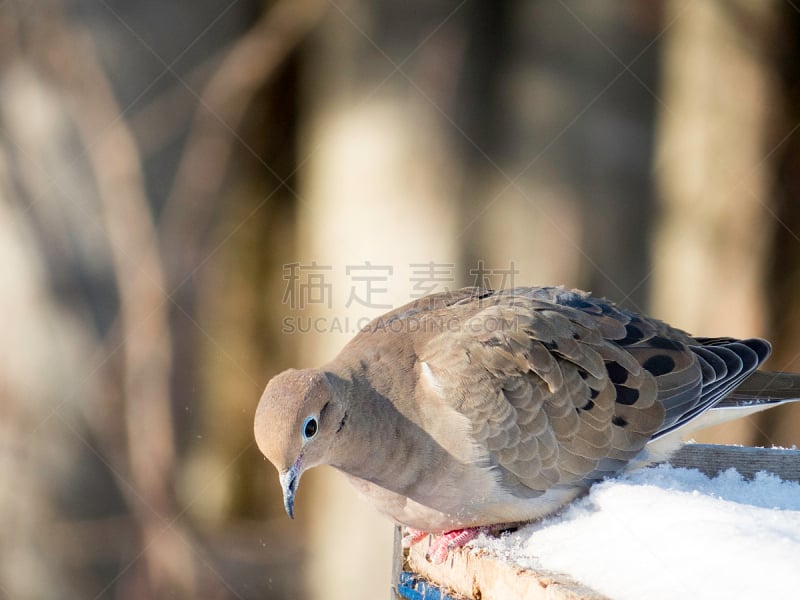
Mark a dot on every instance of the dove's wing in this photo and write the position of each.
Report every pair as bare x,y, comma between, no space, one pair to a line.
562,388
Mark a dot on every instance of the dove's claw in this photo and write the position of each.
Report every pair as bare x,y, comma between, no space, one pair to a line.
441,546
413,536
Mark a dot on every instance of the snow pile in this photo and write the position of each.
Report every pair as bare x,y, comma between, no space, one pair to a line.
671,533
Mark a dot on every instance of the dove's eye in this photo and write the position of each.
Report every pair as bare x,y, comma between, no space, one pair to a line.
310,427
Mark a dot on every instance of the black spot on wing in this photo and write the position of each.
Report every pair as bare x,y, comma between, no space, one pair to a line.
593,393
632,335
660,364
551,345
588,406
625,395
619,421
616,372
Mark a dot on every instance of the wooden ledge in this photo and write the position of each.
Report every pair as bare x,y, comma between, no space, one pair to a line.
476,574
712,459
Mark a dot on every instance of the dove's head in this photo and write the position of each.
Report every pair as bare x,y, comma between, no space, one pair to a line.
296,425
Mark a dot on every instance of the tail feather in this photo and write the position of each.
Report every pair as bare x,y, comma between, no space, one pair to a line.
760,391
725,363
732,389
764,387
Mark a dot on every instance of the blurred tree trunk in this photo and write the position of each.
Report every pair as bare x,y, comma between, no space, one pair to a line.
43,346
557,135
92,118
70,173
377,187
713,169
782,426
247,121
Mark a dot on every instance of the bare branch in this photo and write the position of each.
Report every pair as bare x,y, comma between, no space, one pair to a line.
252,60
147,349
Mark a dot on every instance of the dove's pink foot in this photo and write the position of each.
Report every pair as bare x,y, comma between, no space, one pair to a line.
441,546
413,536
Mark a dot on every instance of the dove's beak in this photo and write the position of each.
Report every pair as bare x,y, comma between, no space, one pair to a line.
289,480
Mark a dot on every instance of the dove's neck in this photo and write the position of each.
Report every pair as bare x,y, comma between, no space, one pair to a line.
378,443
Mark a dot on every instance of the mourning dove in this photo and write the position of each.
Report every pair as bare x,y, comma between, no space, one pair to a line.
474,408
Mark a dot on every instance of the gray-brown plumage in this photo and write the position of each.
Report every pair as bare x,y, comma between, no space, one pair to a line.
476,407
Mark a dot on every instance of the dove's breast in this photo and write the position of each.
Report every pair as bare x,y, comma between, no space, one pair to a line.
436,510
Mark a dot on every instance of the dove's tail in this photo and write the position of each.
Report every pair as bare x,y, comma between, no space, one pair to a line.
760,391
764,388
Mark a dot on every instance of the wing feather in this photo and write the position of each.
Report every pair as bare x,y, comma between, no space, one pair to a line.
560,387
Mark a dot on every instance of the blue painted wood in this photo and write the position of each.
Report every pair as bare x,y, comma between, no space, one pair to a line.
412,587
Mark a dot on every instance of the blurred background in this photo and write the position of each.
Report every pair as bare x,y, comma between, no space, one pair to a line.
195,195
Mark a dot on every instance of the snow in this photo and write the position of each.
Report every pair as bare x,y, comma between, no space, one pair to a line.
668,532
